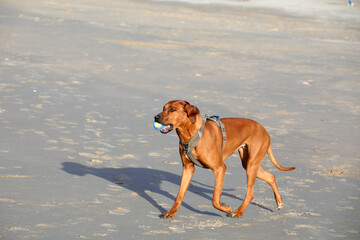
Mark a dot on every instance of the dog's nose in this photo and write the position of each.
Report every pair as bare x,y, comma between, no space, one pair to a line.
157,118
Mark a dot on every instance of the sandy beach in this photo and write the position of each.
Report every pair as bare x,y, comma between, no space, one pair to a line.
80,82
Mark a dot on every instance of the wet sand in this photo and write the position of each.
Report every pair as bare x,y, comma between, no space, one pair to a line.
81,81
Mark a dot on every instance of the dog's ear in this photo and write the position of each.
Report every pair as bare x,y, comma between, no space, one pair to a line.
191,111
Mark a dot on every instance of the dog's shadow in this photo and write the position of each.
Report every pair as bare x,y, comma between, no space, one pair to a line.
143,180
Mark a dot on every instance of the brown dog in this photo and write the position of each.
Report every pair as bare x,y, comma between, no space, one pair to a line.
245,135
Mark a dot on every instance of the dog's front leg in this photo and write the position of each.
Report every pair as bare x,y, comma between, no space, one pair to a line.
219,172
188,172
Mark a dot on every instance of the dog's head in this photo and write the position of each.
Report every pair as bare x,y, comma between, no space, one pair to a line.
176,114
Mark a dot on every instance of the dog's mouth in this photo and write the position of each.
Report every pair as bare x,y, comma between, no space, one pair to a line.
163,128
167,128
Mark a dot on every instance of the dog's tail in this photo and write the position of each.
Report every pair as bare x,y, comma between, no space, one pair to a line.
273,160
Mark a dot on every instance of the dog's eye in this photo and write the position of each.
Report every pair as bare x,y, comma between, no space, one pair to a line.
172,110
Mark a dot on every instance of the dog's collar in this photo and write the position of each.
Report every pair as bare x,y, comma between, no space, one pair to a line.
189,146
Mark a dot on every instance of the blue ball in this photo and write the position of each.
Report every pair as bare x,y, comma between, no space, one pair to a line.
158,126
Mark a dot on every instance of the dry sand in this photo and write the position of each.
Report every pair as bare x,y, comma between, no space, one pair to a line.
80,82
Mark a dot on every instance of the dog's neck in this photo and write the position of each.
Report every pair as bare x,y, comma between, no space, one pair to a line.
187,132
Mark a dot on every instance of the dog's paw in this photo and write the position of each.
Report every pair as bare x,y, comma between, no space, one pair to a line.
227,209
169,214
235,215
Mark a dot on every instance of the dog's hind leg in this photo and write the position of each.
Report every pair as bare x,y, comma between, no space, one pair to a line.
251,159
251,177
270,179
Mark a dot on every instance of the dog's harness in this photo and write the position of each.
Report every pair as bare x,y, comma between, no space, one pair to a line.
189,146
